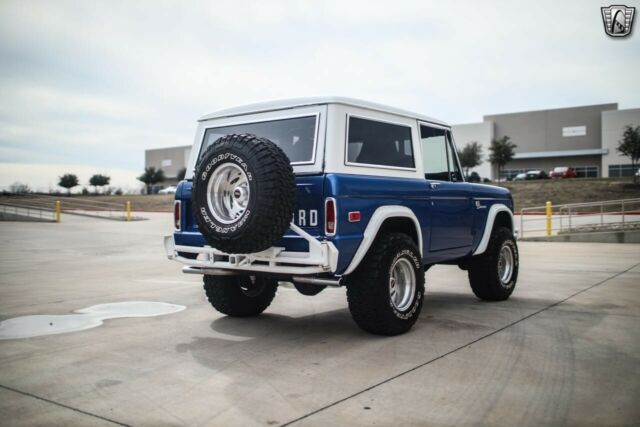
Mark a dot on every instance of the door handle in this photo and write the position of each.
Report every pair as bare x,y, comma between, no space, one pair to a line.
434,185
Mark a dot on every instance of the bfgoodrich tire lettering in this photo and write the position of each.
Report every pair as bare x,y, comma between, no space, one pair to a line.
267,194
490,278
370,289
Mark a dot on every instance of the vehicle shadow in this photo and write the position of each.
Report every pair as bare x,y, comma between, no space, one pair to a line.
304,360
278,332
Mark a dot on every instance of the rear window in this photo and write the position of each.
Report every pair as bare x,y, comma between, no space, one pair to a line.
379,144
296,136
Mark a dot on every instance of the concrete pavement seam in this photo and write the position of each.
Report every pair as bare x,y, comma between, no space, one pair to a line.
403,373
24,393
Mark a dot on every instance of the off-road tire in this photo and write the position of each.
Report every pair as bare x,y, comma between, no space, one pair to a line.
368,287
240,296
272,194
483,269
307,289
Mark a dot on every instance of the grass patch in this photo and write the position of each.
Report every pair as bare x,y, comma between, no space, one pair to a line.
578,190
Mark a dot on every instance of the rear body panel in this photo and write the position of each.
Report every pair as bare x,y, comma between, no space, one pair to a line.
451,219
308,214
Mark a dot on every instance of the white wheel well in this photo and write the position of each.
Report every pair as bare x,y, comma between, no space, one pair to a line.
496,214
380,217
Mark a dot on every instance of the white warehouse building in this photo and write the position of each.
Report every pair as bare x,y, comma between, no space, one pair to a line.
584,138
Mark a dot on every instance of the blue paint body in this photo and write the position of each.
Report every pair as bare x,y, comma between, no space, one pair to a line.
451,223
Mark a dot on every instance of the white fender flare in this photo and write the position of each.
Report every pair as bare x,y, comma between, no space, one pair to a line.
370,233
488,226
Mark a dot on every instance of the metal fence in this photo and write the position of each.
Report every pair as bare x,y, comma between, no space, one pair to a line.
580,217
71,205
11,212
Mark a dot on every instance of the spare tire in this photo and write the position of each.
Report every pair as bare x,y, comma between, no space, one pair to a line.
244,194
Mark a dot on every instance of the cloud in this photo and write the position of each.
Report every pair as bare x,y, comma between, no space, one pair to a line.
96,83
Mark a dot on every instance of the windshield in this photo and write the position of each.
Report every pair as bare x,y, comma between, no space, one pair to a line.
296,136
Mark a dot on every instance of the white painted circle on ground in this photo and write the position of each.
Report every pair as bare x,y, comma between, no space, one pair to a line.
86,318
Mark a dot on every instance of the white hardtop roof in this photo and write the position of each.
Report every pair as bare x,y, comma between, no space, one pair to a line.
283,104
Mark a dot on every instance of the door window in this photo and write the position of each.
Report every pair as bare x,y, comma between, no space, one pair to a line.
435,157
438,158
454,167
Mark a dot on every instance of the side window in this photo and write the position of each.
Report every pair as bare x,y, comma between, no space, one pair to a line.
454,167
435,156
377,143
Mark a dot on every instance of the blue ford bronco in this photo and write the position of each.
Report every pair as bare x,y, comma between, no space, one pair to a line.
324,192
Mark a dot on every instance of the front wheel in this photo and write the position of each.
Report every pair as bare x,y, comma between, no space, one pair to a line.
385,292
240,296
493,274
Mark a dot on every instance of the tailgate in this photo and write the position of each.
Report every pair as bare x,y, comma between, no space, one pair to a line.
309,212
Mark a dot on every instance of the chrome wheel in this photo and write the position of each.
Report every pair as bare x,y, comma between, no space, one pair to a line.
228,193
505,264
402,284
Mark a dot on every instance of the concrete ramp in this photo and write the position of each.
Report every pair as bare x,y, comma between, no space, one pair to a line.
26,213
19,206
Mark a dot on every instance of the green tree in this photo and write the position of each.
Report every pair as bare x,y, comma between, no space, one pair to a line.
68,181
151,176
99,180
629,146
181,173
20,188
501,152
470,156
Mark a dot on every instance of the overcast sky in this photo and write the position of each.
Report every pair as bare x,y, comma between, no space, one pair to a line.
94,84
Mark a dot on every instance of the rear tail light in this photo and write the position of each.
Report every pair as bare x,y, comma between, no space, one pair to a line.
330,216
176,214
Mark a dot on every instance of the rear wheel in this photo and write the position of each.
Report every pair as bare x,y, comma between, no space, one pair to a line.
385,292
240,296
308,289
493,275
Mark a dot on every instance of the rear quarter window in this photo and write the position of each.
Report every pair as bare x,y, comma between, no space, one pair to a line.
376,143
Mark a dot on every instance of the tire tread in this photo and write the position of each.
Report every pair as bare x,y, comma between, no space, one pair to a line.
275,195
482,269
367,290
226,296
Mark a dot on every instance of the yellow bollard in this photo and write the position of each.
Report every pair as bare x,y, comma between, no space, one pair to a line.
58,209
549,210
128,206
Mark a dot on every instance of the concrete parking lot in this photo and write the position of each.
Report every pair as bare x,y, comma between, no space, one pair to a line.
564,350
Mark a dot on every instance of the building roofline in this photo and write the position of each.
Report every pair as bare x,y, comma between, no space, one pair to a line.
621,111
284,104
168,148
561,153
472,123
609,104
